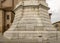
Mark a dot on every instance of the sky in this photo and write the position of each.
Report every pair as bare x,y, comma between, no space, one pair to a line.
54,9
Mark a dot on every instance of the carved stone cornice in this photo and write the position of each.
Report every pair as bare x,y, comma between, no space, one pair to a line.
2,1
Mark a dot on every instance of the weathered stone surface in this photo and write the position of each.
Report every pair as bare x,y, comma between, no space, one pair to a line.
31,18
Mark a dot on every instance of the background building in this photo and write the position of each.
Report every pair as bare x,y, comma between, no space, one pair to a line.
6,14
57,25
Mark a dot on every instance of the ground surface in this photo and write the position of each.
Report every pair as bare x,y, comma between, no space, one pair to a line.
5,40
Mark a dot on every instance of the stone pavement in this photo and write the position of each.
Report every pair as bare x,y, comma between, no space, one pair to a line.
5,40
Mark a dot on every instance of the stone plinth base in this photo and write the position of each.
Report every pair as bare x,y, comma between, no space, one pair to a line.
31,36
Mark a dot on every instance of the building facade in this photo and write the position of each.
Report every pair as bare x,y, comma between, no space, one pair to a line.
57,25
6,14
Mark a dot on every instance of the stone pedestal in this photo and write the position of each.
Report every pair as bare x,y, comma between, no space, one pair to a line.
31,23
